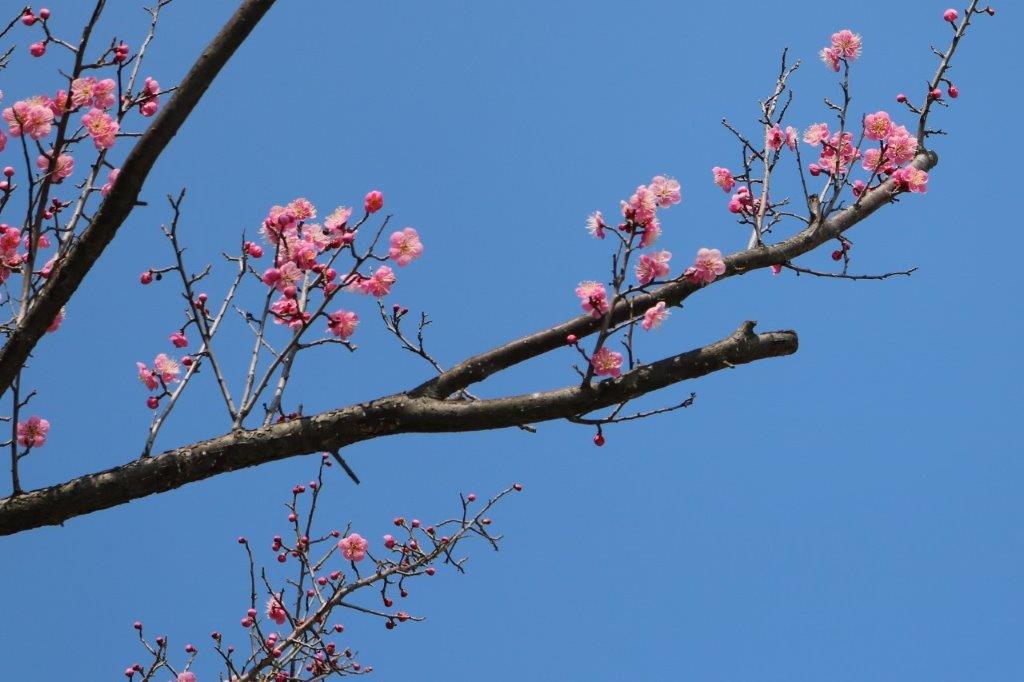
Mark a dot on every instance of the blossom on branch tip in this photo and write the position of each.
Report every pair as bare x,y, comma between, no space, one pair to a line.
774,138
654,316
186,676
373,201
147,376
166,368
178,340
847,43
89,92
596,225
878,126
378,284
606,362
353,547
666,191
911,179
405,247
816,134
32,432
32,116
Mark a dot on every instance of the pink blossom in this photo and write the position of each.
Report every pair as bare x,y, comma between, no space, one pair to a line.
287,311
276,611
901,146
373,201
337,220
111,179
178,340
166,368
774,138
147,376
186,676
707,266
342,324
723,178
92,93
378,284
32,432
101,127
301,208
652,266
606,362
875,162
288,275
641,206
830,56
593,298
149,101
791,137
847,44
65,166
596,225
651,232
405,247
877,126
911,179
654,316
32,115
353,547
816,134
666,191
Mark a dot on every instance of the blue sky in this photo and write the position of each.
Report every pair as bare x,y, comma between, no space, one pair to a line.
850,512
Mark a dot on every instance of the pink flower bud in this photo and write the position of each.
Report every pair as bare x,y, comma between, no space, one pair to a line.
271,276
44,13
37,49
152,402
471,497
901,98
950,15
28,18
953,91
599,440
374,201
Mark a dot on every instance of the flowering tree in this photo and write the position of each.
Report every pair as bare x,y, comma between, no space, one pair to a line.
312,278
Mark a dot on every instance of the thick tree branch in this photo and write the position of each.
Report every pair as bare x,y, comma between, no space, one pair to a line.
67,275
403,413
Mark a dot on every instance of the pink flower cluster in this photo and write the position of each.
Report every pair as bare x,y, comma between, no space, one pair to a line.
101,128
652,266
165,369
89,92
10,258
32,116
846,45
64,167
640,210
837,151
342,324
149,100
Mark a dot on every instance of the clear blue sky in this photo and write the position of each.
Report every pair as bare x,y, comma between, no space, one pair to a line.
852,512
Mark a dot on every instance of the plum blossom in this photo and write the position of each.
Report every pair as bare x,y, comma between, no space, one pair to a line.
641,206
149,101
275,611
147,376
337,220
652,266
178,340
32,116
302,209
830,56
596,225
373,201
166,368
707,266
101,127
791,137
816,134
89,92
901,146
186,676
32,432
774,138
847,44
606,362
723,178
353,547
287,311
58,320
342,324
64,167
593,298
405,247
877,126
378,284
111,179
654,316
665,190
911,179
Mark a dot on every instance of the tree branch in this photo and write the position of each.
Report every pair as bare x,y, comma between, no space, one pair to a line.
402,413
68,275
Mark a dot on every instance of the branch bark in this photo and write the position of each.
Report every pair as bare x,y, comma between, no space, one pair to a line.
402,413
114,210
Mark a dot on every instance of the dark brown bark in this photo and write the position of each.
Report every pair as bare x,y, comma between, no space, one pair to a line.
403,413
